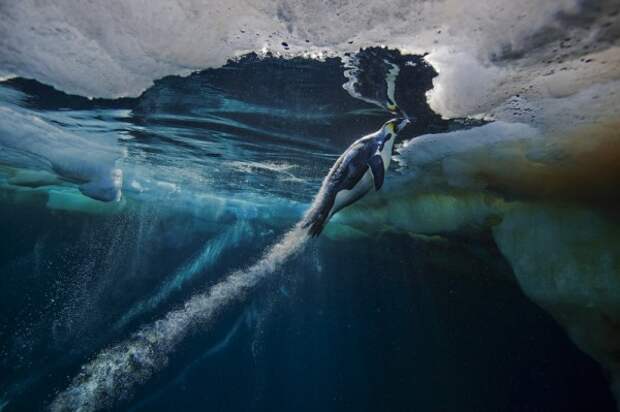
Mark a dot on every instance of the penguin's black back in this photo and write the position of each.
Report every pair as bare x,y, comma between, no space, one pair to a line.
344,175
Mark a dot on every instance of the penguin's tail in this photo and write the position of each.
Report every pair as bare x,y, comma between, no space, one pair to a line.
316,218
314,224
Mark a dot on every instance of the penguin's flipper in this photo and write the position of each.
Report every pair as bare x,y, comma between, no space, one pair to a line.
378,170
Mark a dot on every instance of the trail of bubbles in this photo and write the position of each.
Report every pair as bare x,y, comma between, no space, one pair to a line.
152,397
210,254
116,371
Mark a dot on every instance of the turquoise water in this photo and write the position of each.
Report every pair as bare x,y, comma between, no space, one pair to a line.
150,260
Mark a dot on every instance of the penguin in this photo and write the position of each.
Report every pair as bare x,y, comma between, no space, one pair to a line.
359,170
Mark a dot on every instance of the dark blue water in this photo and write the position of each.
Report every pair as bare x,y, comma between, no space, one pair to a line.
215,168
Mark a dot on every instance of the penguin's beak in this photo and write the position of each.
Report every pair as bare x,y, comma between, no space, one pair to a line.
403,123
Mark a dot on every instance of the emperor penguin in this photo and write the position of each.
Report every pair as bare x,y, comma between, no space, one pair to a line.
359,170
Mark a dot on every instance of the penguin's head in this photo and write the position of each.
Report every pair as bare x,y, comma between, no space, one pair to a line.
394,126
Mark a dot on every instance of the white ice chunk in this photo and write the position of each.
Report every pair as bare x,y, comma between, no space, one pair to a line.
29,141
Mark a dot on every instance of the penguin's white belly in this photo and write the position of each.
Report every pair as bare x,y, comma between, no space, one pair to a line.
346,197
366,184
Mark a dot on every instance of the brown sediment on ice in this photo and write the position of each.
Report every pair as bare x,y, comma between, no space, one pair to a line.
583,166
